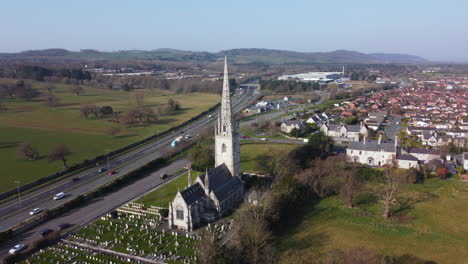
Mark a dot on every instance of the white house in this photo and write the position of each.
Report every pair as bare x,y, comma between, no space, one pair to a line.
372,153
406,161
345,132
288,125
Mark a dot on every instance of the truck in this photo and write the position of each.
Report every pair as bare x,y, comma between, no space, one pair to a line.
176,141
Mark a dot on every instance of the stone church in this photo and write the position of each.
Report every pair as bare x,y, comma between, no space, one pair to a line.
220,188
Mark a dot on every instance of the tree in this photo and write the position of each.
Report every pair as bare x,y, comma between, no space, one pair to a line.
388,190
202,154
77,90
26,151
295,132
50,87
351,120
52,100
112,131
174,105
254,237
351,185
206,248
59,152
106,110
460,169
89,109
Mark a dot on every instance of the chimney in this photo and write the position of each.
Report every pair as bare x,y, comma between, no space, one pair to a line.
364,140
380,139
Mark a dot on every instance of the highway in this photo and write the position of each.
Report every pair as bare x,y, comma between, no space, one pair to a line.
11,214
91,179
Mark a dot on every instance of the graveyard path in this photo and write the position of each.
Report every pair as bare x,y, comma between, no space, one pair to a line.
99,206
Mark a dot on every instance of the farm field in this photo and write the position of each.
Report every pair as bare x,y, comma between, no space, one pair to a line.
43,126
433,229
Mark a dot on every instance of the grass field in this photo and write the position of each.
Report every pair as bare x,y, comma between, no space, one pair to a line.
162,196
434,229
250,152
44,126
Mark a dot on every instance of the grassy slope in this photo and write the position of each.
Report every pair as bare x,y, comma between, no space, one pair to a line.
43,127
438,231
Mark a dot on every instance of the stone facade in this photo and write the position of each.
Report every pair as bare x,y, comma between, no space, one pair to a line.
345,132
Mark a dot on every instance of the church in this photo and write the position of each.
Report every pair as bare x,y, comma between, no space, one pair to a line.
220,189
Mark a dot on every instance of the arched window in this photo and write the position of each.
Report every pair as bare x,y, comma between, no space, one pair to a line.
224,127
223,148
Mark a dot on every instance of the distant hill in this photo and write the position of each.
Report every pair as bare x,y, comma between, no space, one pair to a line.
394,57
239,56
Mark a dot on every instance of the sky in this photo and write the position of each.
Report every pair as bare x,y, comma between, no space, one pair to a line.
433,29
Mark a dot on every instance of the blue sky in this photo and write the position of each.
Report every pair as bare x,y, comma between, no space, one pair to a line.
436,30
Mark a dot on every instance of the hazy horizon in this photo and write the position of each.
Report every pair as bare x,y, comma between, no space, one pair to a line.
429,29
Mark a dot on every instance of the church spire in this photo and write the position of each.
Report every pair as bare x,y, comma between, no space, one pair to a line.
226,106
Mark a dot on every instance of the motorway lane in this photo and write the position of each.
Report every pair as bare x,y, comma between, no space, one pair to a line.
11,213
99,206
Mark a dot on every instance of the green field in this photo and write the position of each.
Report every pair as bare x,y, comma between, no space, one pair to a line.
164,195
434,229
250,152
44,126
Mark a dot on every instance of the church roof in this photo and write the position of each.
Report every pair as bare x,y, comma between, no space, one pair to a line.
217,176
193,193
225,190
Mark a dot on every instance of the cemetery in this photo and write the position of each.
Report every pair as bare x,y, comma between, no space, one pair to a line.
132,234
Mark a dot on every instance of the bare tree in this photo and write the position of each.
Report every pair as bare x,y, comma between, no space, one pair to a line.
77,89
59,152
207,248
254,236
89,109
26,151
52,100
112,131
388,191
350,186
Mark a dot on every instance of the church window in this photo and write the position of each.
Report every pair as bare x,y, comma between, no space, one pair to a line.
223,148
224,127
179,214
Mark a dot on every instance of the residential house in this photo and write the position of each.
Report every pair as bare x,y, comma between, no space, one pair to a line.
288,125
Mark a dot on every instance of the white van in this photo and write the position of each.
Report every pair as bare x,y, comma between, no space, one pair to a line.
59,196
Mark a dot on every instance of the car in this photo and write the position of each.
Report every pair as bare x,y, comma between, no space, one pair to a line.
112,172
164,175
63,226
245,137
102,170
59,196
182,131
263,139
17,248
210,116
188,136
74,179
45,232
36,211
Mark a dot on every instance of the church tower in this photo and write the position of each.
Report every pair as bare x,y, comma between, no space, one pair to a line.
227,148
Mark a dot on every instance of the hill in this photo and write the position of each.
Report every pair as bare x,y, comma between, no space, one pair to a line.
238,56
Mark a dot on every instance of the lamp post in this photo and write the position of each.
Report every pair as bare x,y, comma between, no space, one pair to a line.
107,155
19,194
